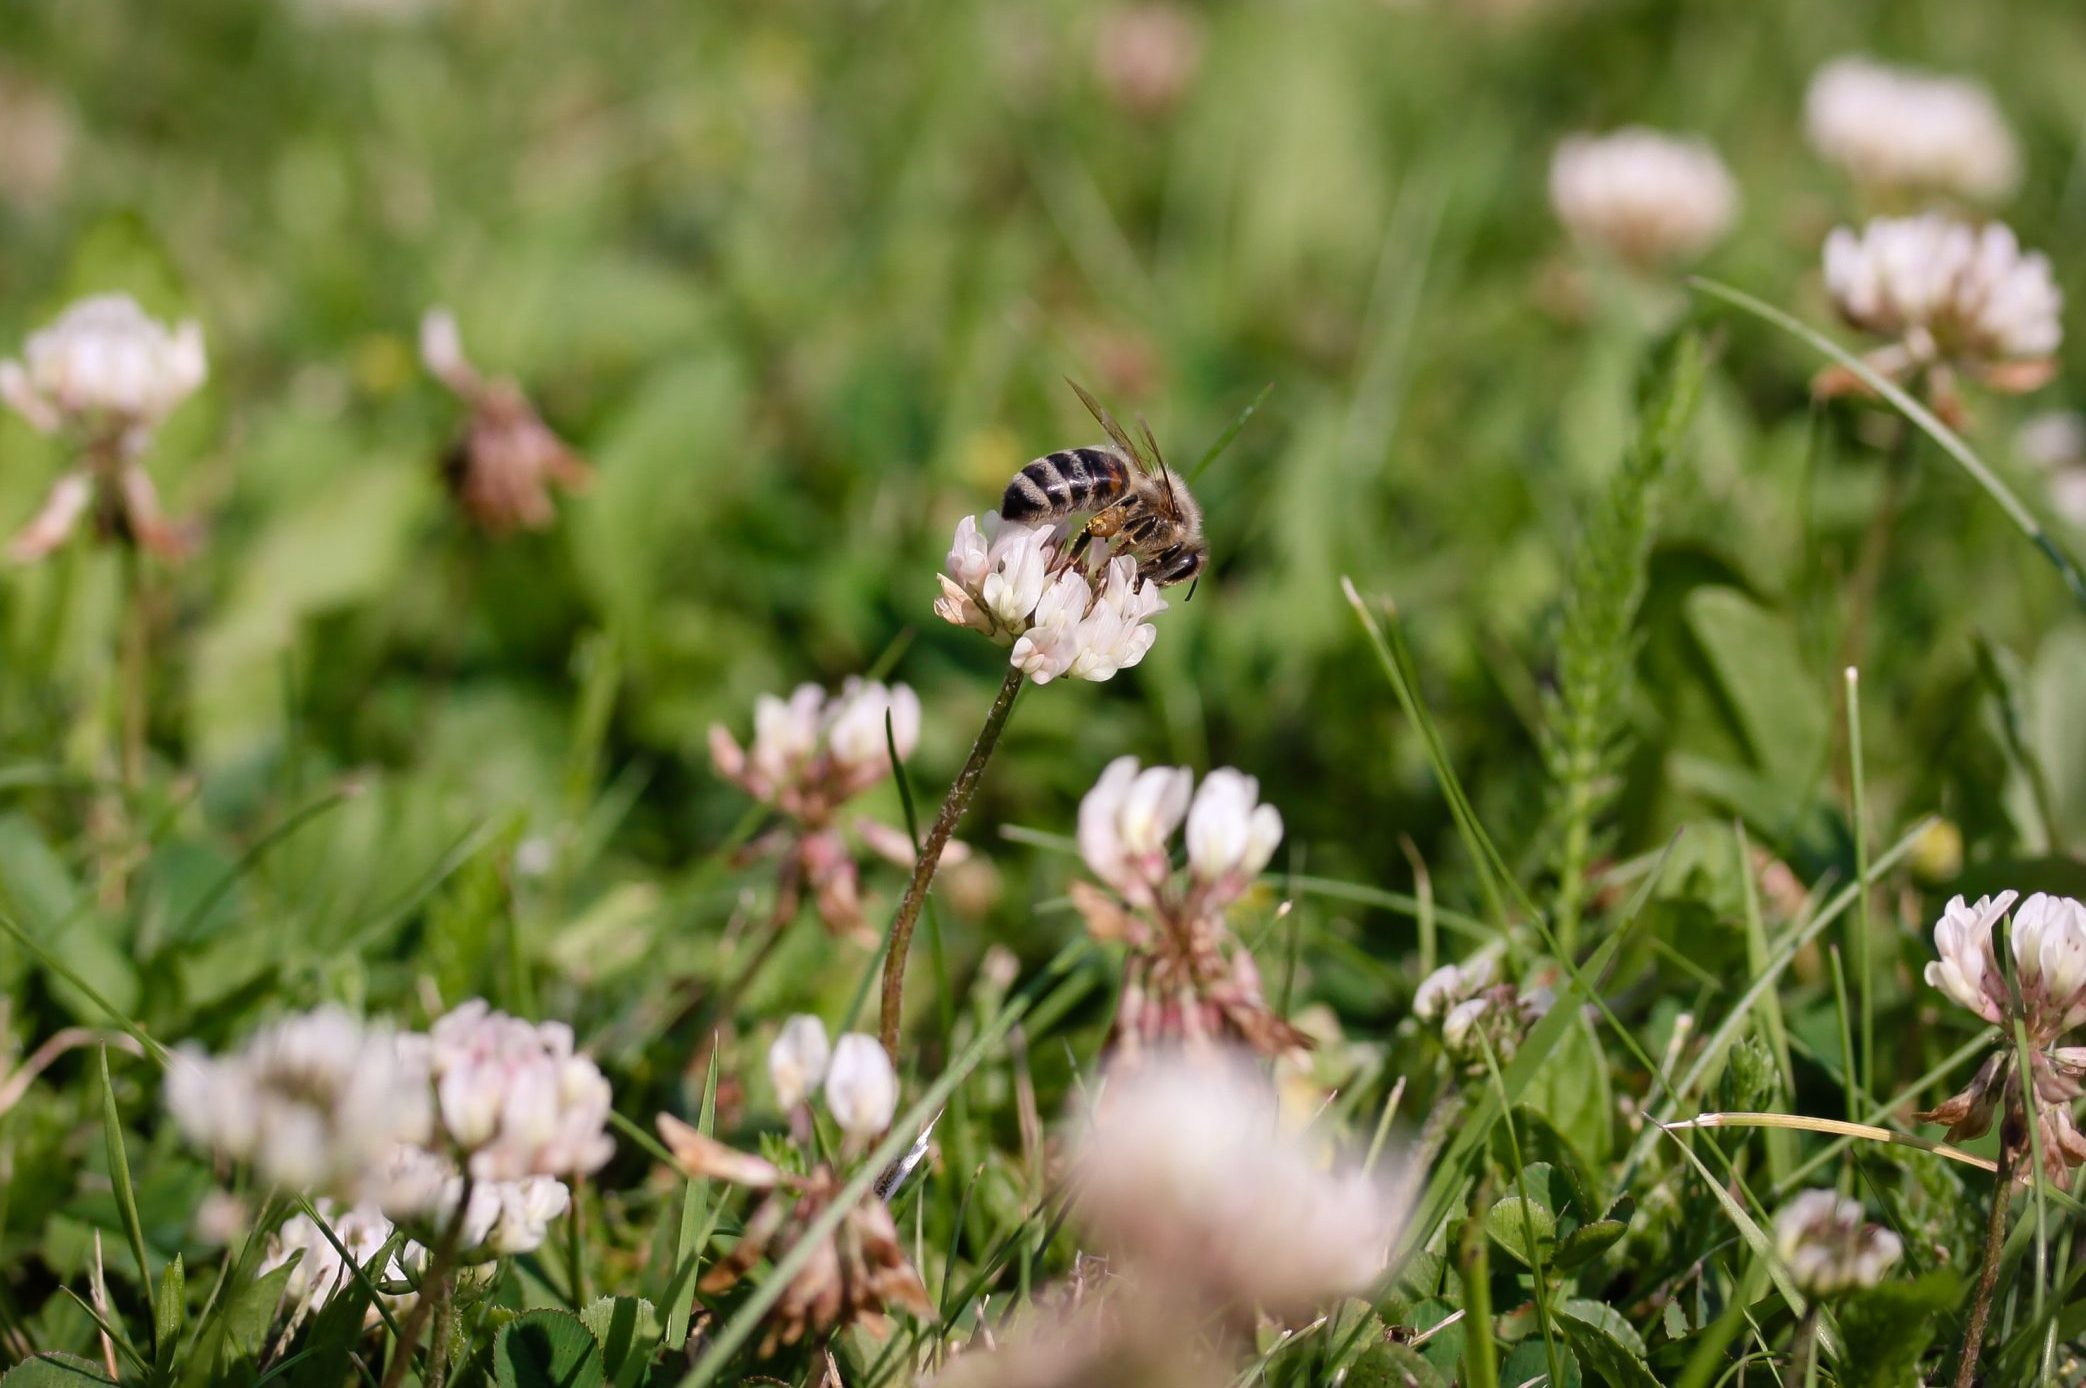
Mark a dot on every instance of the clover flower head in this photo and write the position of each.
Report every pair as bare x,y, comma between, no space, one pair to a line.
861,1088
1063,616
320,1271
1829,1246
105,365
797,1059
504,469
1967,971
515,1098
1903,132
1647,198
1184,1171
315,1102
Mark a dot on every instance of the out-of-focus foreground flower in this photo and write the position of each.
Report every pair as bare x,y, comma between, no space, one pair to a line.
1080,615
503,469
812,753
1186,980
1952,299
1901,133
315,1102
1829,1245
1647,198
2048,939
102,377
1185,1173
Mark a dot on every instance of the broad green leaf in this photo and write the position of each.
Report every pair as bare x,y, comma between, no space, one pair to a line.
1530,1363
1513,1222
1572,1092
168,1313
54,1371
1587,1243
627,1328
1888,1328
548,1349
1777,705
1388,1365
1601,1337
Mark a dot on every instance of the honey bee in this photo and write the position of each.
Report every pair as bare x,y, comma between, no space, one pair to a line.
1131,493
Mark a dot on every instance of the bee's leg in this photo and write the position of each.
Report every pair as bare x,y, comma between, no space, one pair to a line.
1106,523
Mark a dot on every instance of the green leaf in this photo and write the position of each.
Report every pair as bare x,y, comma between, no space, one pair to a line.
627,1328
167,1313
1600,1336
239,1332
1587,1242
54,1371
1513,1221
1388,1365
548,1349
1571,1091
1530,1363
1776,703
119,1177
1888,1328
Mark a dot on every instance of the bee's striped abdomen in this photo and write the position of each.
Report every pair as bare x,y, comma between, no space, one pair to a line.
1076,479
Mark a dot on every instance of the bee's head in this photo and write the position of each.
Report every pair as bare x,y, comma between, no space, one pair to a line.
1178,564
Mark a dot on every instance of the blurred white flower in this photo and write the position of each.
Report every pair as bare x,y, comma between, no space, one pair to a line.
315,1102
1903,132
37,136
503,470
1968,970
861,1087
1185,1172
811,754
1647,198
2052,440
503,1218
1126,825
1950,297
1829,1246
320,1271
1451,984
1025,586
797,1059
1146,56
515,1098
221,1219
104,365
1231,835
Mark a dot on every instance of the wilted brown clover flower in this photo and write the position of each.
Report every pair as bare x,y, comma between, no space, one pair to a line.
2048,938
810,755
1187,980
860,1273
502,470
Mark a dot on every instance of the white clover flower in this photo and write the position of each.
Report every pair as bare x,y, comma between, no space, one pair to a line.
797,1059
315,1102
1901,131
854,726
1126,824
2052,440
1828,1245
320,1271
1454,983
1968,970
1970,291
105,364
996,574
1231,835
515,1098
503,1218
2049,944
1456,1026
1025,587
861,1087
1648,198
1186,1173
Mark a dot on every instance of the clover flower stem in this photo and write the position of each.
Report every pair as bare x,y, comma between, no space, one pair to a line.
441,1271
1988,1274
930,857
135,668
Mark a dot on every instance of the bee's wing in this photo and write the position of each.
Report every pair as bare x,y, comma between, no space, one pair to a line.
1115,431
1158,462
